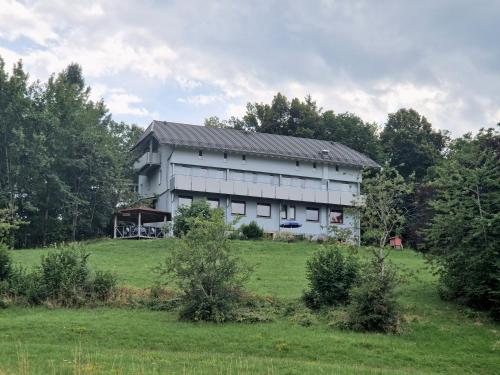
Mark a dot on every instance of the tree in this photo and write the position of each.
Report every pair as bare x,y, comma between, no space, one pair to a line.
206,270
464,232
410,143
199,209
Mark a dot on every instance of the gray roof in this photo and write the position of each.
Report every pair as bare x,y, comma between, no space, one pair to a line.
263,144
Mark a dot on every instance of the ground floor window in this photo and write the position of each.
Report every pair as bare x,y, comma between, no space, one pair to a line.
312,214
213,202
185,201
263,210
238,208
336,215
287,212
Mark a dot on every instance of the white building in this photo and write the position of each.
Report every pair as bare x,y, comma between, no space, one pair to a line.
263,177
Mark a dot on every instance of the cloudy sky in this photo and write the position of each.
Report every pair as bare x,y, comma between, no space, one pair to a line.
186,60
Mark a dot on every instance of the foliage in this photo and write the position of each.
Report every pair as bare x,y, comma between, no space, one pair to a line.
252,231
186,213
62,278
341,234
384,212
65,164
9,223
284,236
5,263
373,304
303,118
331,276
410,143
463,234
206,270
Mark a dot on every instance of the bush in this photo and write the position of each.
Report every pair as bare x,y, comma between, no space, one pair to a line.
185,215
252,231
373,304
205,269
331,276
63,278
5,263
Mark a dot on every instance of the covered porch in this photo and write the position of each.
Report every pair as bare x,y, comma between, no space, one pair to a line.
135,223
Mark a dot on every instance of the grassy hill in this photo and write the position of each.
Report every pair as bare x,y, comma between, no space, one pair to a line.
438,339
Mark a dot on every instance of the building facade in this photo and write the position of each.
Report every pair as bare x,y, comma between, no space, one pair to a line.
254,176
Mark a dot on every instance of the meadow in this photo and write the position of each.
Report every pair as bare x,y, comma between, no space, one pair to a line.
438,337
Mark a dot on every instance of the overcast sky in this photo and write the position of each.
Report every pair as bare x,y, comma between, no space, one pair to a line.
186,60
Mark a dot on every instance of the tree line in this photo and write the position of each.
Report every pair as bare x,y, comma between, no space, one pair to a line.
64,162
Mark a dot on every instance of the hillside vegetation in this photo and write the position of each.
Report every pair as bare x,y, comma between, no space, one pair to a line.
438,337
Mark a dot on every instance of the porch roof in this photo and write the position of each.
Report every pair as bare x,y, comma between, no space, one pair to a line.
148,215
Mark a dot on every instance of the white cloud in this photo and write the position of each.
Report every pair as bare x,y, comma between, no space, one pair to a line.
19,20
123,103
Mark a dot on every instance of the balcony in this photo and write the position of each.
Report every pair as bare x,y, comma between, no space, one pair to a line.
147,162
262,190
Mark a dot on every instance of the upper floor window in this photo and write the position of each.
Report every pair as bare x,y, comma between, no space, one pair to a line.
243,157
312,214
314,165
238,208
263,210
297,164
336,168
225,155
336,215
200,153
185,201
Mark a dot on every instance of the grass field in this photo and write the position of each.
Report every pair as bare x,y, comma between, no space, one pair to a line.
438,339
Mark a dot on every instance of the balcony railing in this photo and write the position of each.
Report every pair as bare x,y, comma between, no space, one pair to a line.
147,162
263,190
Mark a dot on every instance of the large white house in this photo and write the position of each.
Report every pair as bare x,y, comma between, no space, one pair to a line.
256,176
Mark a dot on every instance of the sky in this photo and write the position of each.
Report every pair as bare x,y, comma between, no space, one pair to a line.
183,61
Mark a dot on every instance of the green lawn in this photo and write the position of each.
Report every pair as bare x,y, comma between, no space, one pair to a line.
438,338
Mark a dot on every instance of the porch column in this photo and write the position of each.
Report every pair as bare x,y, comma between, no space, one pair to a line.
115,225
165,227
139,225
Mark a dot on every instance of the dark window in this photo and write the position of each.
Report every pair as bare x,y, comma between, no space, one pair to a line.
337,168
297,163
336,215
243,157
263,210
213,202
314,165
238,208
200,153
312,214
225,155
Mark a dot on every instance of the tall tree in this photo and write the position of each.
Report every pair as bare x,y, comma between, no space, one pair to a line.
410,143
464,234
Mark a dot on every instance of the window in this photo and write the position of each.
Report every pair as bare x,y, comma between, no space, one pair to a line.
314,165
200,153
185,201
312,214
243,157
336,215
225,155
297,164
213,202
336,168
287,212
263,210
238,208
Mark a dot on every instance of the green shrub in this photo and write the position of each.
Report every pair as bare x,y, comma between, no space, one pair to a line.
331,276
5,263
185,215
206,271
102,286
252,231
373,303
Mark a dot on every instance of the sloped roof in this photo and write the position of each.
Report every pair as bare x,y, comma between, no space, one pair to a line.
263,144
